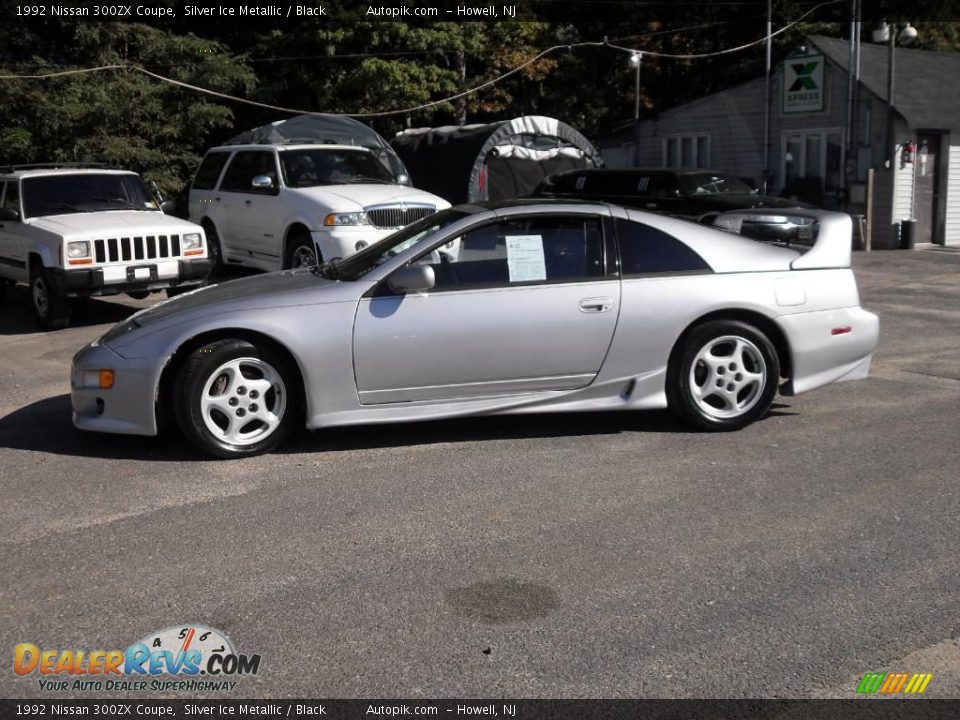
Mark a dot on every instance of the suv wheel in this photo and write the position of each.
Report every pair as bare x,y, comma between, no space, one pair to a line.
301,251
51,309
213,246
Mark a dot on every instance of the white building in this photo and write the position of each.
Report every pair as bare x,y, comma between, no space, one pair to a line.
812,152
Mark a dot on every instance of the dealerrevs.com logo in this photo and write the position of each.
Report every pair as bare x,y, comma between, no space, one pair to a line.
182,657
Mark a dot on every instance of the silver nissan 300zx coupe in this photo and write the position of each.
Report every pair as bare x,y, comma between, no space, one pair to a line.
519,307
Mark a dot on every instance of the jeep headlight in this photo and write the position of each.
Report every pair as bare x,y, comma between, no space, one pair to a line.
191,241
350,218
78,249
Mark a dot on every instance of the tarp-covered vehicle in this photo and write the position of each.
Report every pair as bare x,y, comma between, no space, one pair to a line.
497,161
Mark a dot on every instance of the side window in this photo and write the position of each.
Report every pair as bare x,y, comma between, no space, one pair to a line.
11,198
664,186
519,252
644,249
209,171
245,166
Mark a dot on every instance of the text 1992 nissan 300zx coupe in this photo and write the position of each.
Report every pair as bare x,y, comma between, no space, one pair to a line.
520,307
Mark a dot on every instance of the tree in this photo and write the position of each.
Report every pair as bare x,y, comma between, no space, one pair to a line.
120,117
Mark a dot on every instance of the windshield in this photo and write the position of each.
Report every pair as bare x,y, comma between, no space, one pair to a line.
713,184
326,166
362,262
87,192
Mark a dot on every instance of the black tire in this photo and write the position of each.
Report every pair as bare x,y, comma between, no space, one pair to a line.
138,294
723,375
220,373
4,289
300,246
51,310
214,249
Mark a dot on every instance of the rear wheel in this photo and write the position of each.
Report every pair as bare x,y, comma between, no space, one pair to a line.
301,251
51,310
235,399
724,376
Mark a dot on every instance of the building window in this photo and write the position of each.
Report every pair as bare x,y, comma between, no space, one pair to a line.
690,151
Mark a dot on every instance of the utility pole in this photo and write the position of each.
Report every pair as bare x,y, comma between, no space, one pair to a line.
767,102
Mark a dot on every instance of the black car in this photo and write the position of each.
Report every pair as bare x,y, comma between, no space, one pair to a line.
699,195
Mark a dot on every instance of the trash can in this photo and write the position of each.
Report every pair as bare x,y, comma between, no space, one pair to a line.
908,235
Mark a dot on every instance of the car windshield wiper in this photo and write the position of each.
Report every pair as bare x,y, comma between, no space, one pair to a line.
329,270
65,206
117,200
358,179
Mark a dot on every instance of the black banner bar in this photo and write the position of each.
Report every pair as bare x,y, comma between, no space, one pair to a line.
872,709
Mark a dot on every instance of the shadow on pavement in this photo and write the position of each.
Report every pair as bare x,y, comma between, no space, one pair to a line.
46,426
17,318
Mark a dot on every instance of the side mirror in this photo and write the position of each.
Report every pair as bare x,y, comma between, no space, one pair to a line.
412,278
262,182
9,214
168,206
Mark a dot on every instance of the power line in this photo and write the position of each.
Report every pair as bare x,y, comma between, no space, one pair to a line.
433,103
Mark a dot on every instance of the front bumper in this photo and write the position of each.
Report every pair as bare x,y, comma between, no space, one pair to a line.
340,242
129,407
104,281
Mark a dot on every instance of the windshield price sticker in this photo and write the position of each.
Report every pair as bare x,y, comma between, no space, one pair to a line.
525,260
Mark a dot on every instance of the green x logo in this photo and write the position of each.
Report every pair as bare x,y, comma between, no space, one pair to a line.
804,81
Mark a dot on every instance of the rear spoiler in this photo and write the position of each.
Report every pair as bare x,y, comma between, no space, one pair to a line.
831,232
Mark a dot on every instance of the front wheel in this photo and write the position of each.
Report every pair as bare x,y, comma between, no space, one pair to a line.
236,399
301,252
51,310
724,376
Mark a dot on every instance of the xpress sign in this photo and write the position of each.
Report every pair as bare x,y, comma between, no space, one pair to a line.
803,84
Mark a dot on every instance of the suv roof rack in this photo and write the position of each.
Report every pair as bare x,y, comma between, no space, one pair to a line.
54,166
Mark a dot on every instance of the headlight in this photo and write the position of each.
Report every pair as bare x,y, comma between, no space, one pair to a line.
191,241
351,218
78,249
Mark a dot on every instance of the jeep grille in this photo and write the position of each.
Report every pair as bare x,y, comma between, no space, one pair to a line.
140,247
396,216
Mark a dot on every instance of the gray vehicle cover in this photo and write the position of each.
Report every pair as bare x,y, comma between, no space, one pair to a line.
497,161
323,129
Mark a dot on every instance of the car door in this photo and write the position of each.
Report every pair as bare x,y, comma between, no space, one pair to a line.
525,304
251,218
13,246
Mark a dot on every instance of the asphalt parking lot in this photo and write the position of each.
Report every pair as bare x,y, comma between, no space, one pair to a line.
612,555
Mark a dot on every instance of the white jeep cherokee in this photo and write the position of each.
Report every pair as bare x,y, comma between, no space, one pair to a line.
273,206
72,232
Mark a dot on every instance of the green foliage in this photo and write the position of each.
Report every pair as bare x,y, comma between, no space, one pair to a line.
120,117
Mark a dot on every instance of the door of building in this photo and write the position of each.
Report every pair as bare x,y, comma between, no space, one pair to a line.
926,193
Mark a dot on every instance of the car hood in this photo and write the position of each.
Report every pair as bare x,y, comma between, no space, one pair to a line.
278,289
736,201
113,222
360,196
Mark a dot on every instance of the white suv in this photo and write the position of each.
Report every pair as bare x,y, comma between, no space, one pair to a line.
73,232
273,207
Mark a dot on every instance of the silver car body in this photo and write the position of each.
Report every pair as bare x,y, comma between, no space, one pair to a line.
602,344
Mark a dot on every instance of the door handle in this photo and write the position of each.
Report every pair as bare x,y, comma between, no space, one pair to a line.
217,199
247,202
596,305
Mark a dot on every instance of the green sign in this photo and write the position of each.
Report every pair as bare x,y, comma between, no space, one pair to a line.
803,87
